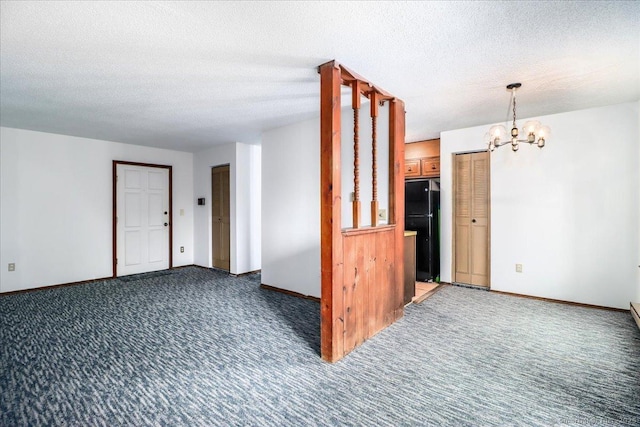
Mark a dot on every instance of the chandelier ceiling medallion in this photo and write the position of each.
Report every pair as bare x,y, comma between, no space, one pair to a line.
533,130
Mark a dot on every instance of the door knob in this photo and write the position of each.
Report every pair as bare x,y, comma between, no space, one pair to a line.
473,220
166,223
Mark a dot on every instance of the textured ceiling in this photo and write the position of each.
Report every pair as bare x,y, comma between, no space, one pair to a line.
187,75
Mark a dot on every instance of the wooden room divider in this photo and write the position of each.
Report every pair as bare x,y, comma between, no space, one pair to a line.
362,267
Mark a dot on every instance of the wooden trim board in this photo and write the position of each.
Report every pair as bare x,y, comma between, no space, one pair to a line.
60,285
635,312
290,293
83,282
419,299
578,304
246,274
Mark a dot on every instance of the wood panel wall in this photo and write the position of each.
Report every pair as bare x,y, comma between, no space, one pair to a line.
362,268
369,277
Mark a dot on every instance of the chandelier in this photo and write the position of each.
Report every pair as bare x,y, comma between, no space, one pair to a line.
533,130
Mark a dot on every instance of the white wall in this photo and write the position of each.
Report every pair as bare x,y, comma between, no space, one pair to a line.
255,208
291,207
248,208
56,206
291,195
570,213
244,173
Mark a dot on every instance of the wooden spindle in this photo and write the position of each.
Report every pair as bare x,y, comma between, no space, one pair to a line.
374,161
355,103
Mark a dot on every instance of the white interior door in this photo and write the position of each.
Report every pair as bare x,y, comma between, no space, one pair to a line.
142,219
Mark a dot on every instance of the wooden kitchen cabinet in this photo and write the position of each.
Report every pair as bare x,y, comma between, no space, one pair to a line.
422,159
430,167
412,168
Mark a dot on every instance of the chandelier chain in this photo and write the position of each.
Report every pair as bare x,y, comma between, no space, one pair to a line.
514,107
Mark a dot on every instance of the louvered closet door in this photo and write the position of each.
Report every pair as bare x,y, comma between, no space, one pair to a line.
472,219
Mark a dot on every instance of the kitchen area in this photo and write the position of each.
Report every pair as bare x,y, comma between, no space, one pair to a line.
422,219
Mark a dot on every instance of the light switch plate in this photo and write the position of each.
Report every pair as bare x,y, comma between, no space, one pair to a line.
12,266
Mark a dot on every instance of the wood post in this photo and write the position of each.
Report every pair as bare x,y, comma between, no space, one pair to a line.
396,194
331,250
355,103
374,160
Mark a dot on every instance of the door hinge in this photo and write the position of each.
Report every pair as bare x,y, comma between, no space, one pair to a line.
116,261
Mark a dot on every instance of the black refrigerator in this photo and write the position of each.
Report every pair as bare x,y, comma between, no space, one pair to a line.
422,214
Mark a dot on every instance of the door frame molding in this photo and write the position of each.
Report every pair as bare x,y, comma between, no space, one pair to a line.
114,224
453,215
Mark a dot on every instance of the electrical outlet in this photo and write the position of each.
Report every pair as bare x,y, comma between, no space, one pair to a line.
181,249
518,268
12,266
382,214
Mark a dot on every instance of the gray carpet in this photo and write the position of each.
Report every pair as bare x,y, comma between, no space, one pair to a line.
200,348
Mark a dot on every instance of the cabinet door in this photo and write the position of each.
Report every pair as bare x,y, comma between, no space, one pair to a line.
412,167
430,166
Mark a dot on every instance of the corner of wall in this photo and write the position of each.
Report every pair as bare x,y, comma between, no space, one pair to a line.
638,218
291,207
244,233
248,233
203,162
